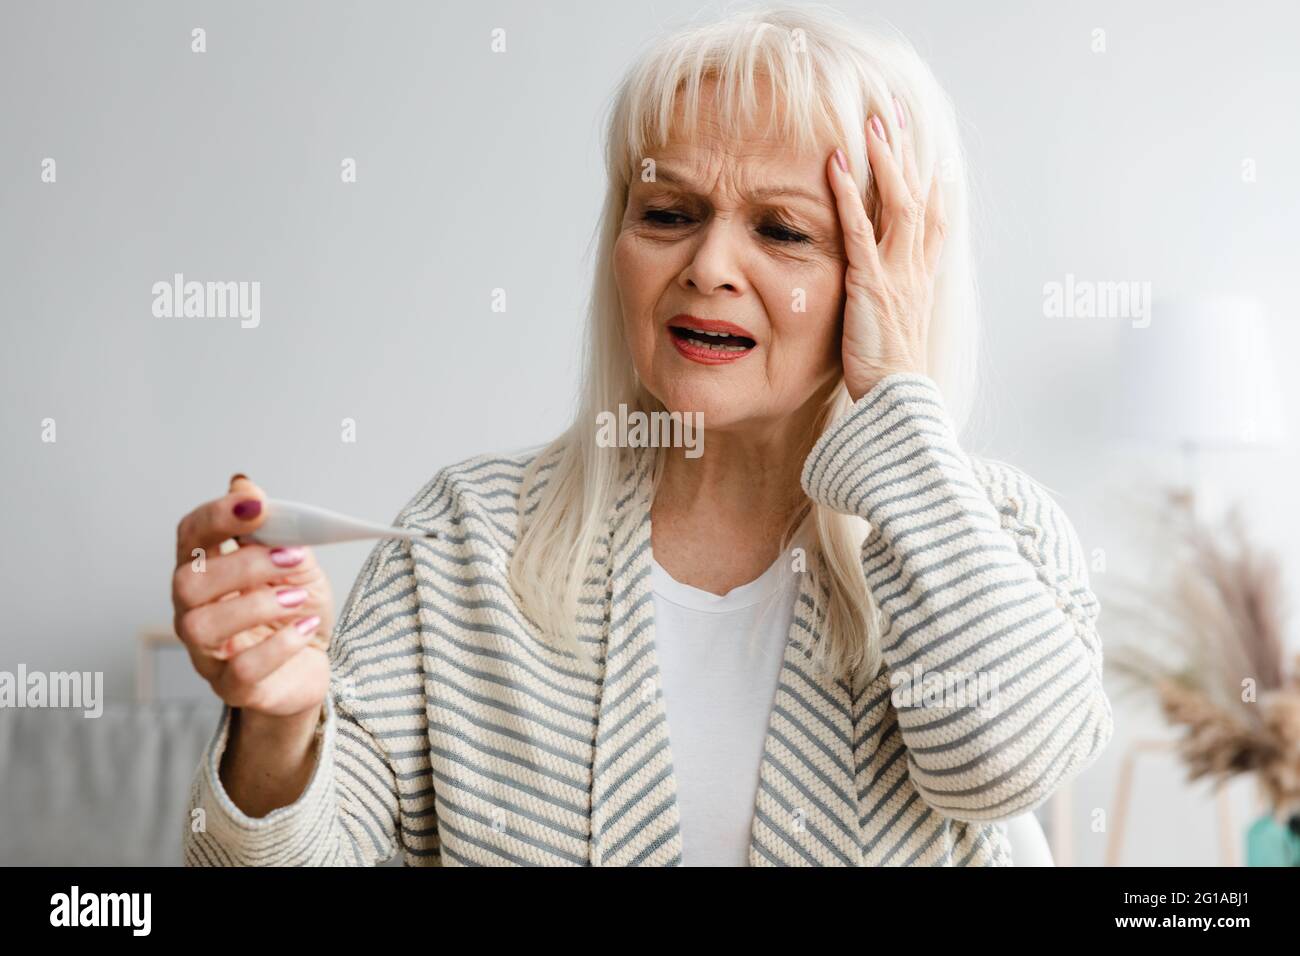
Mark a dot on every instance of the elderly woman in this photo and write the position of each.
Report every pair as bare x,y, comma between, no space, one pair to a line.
833,637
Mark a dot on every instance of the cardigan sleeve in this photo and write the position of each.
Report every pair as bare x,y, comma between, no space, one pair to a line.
990,624
352,812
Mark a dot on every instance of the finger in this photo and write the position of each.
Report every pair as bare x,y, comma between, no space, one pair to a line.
910,174
859,237
208,626
918,240
242,641
912,177
936,225
251,666
898,210
242,485
252,565
209,667
240,511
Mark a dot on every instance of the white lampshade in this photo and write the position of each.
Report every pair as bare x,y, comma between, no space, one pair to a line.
1202,375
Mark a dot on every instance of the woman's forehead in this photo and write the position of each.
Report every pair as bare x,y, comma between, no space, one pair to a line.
738,132
720,146
716,125
743,166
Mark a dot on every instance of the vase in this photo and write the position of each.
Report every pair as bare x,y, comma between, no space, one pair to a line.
1270,843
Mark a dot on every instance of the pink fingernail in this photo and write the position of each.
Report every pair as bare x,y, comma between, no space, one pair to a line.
291,597
308,624
287,557
248,509
877,126
902,119
840,161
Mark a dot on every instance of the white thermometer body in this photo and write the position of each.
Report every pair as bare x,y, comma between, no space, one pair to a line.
290,523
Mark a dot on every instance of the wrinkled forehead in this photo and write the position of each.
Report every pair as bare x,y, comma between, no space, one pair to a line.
728,168
717,143
756,114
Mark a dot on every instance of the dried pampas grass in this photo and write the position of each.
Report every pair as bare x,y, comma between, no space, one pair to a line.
1209,644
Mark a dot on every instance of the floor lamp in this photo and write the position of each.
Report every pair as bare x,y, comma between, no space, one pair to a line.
1201,378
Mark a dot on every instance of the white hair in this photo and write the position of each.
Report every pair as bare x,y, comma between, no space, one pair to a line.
827,73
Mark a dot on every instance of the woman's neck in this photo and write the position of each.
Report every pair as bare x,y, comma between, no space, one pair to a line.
717,520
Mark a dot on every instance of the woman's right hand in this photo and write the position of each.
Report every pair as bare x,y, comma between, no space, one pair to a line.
256,621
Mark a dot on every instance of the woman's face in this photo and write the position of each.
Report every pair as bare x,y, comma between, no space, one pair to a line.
738,233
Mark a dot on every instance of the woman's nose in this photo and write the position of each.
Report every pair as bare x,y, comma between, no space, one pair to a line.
715,263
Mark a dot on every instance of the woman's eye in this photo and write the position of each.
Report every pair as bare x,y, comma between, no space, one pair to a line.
663,217
783,234
774,231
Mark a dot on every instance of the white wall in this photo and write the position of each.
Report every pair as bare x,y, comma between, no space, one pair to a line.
478,171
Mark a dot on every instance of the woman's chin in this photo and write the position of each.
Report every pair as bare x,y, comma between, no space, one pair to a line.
713,411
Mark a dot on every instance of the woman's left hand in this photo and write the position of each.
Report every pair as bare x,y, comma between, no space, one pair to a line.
889,285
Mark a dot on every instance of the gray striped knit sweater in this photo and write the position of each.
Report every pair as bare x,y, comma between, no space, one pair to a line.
453,735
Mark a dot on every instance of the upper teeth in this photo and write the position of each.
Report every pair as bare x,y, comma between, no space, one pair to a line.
702,332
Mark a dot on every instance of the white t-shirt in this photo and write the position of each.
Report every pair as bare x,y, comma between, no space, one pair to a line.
719,659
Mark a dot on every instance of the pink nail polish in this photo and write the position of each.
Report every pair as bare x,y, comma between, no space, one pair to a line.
878,126
308,624
287,557
902,118
840,161
291,597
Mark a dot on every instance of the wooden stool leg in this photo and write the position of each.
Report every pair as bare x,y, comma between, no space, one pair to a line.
1229,851
1123,794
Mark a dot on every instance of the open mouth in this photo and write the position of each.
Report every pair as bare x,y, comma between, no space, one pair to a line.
722,343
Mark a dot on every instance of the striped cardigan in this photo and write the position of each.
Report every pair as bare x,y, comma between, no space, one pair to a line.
452,734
